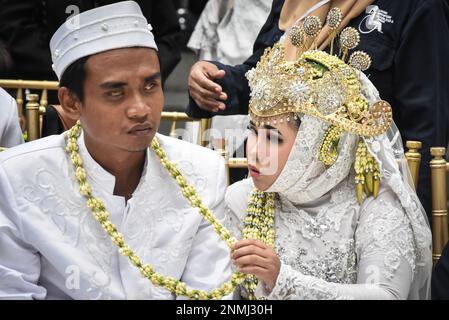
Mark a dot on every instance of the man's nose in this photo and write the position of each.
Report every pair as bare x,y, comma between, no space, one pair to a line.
138,107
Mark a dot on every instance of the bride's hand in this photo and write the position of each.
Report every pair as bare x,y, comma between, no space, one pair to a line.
254,257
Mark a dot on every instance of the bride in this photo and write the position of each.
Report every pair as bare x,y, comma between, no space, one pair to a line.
329,211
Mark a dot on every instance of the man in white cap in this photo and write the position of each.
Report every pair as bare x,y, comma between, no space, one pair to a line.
10,132
94,213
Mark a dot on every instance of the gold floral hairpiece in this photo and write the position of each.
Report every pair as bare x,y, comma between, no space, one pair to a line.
325,86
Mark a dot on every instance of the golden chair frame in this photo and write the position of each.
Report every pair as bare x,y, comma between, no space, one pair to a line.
440,230
34,108
413,160
231,163
175,117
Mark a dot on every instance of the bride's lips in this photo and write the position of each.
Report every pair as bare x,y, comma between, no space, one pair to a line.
254,172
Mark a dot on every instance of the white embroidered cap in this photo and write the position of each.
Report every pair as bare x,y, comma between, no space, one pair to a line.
114,26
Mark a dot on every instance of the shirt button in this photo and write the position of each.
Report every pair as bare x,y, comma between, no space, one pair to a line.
276,38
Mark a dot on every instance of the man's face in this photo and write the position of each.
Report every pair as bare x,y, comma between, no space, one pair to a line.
123,99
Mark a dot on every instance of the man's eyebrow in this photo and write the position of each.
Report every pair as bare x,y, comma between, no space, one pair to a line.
112,85
155,76
118,84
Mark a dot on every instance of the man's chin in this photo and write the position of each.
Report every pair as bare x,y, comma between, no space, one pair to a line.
137,149
139,146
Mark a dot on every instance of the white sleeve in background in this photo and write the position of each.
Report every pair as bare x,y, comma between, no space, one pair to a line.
10,132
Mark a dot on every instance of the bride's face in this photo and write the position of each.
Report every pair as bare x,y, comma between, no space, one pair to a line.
267,149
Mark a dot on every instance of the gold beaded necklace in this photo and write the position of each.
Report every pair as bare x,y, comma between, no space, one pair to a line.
259,225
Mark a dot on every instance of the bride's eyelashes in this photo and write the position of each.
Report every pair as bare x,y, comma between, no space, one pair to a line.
272,135
251,129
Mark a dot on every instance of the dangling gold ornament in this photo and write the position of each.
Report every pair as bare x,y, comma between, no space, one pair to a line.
328,153
298,39
333,20
312,27
360,60
367,173
349,39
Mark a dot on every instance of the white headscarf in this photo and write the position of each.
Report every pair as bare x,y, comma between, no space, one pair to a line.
305,179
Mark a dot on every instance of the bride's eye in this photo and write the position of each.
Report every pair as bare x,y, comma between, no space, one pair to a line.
274,137
251,129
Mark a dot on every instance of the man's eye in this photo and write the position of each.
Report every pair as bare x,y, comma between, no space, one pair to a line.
149,86
115,93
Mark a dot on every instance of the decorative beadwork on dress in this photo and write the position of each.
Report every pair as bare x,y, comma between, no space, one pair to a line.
337,265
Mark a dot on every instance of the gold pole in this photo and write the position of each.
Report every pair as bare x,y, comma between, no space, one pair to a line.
29,84
414,159
220,147
44,100
181,116
173,129
32,113
19,100
439,202
204,134
42,108
238,163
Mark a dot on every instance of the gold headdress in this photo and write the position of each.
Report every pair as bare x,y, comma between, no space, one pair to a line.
324,86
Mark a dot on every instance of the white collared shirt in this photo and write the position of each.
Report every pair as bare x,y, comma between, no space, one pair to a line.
51,247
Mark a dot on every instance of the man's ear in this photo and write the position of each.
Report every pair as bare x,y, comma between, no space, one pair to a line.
70,103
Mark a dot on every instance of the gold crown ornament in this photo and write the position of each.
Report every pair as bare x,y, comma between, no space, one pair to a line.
324,86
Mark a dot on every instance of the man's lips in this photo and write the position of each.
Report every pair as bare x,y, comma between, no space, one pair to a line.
140,130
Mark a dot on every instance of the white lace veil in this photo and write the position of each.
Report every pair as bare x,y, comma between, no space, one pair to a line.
305,179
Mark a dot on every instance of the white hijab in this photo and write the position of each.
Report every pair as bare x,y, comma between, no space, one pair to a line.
305,179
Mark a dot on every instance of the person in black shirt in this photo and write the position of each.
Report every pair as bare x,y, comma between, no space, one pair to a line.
408,42
440,277
26,28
